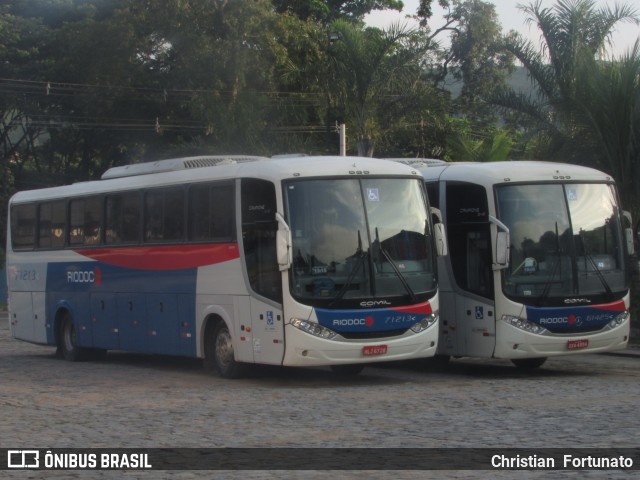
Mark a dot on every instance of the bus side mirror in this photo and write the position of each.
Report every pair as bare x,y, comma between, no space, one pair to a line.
284,250
502,251
441,239
503,242
628,232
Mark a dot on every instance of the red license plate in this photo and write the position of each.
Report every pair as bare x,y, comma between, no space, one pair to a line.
577,344
374,350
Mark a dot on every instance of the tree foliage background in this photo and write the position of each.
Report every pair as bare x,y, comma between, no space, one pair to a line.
89,84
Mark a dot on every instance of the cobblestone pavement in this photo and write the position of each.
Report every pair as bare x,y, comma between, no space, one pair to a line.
140,401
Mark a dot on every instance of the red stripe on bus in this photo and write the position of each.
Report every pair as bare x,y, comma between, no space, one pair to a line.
164,257
419,309
617,306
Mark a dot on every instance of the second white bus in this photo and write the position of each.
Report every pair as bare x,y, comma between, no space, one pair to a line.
537,260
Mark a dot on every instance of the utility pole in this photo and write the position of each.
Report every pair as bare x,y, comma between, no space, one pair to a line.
343,140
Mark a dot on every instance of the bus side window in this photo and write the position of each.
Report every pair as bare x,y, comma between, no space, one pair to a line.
93,221
85,221
44,225
52,224
210,212
433,193
123,218
164,215
222,215
23,226
76,222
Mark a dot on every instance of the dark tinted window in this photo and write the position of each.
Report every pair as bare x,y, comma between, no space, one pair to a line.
469,237
211,212
23,226
433,192
123,218
85,221
52,225
259,228
164,215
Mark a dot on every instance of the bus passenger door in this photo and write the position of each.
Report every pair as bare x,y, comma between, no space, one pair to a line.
259,228
470,255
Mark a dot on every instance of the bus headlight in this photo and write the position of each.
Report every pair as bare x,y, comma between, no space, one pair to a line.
425,323
618,320
313,328
524,324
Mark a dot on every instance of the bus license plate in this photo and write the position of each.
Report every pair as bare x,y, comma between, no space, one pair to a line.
577,344
374,350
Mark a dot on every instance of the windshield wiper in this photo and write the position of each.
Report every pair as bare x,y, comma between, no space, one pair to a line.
359,256
592,262
401,277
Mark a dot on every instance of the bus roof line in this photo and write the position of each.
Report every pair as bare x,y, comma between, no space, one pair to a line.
174,164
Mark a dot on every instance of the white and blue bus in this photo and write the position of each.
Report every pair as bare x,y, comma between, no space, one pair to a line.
237,260
537,260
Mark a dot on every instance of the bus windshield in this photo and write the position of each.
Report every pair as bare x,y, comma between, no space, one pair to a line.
359,239
565,242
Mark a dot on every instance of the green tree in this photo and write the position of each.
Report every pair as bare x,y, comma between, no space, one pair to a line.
327,11
464,146
574,33
477,57
369,66
473,62
608,107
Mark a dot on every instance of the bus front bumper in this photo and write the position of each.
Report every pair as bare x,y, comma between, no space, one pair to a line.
520,344
305,350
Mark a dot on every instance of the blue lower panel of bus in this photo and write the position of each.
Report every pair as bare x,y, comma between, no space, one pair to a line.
373,319
575,318
124,309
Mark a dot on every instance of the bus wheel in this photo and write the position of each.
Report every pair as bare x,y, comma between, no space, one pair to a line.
347,370
219,353
528,363
68,340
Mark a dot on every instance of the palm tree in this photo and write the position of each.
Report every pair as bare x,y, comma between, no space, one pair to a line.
574,34
367,65
608,106
466,147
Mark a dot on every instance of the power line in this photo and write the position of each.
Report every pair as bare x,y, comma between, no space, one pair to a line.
64,88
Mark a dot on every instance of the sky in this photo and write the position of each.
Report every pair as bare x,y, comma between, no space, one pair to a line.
511,18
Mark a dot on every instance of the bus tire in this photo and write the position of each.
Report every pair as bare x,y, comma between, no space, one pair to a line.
219,353
68,340
528,363
347,370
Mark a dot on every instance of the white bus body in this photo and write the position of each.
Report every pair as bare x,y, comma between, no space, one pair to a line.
537,260
237,260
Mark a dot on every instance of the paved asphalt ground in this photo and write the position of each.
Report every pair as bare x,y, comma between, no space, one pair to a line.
142,401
